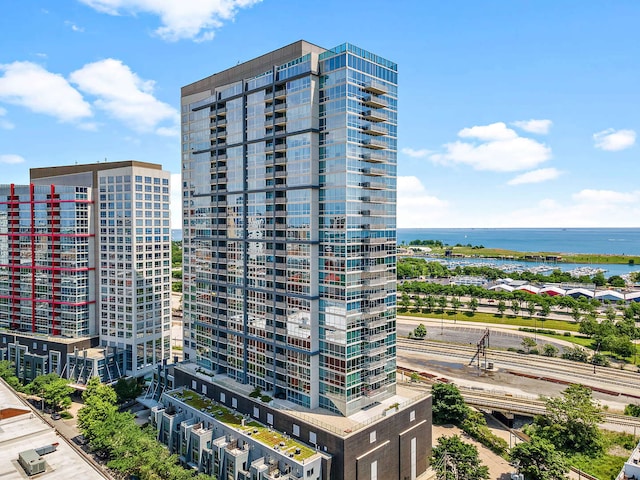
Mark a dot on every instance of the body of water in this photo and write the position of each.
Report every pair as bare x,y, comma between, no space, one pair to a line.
620,241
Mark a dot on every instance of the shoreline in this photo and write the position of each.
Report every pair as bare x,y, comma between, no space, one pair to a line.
514,255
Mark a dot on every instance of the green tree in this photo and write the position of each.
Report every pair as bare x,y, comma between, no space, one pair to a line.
55,391
571,421
633,410
577,354
418,303
405,301
549,350
448,404
610,313
127,389
617,281
515,306
531,308
545,310
442,303
430,303
473,305
502,307
455,305
8,374
451,454
420,331
538,459
589,326
57,394
528,343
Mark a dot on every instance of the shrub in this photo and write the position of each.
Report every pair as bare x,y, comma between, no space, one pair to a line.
265,398
534,351
256,393
567,334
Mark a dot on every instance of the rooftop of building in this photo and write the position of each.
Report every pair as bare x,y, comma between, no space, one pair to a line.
27,431
251,67
45,172
257,431
43,337
320,417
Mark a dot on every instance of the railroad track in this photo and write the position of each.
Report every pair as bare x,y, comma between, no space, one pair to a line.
618,382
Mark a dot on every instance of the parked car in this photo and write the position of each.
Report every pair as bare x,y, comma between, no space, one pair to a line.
56,416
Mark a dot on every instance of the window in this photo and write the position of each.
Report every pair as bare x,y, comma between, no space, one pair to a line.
223,397
372,437
312,438
194,385
204,389
374,470
412,415
270,418
234,402
296,430
256,412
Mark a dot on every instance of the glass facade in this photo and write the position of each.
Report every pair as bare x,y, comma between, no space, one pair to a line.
45,267
289,193
135,264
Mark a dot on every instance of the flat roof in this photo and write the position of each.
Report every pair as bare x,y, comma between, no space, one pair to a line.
46,172
322,418
28,431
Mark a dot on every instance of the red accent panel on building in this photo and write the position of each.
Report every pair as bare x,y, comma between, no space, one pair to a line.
33,260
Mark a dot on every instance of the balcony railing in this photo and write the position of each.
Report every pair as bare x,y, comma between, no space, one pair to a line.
373,129
375,115
376,102
374,143
374,172
373,157
375,87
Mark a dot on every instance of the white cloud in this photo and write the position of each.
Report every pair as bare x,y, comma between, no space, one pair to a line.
176,200
540,127
88,126
584,209
416,153
494,131
497,148
614,140
607,196
73,26
194,19
29,85
5,124
536,176
124,95
11,159
416,207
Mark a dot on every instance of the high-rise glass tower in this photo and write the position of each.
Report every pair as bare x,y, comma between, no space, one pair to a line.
289,195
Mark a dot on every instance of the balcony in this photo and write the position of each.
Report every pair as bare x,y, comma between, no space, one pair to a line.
373,226
375,87
281,120
372,352
373,157
375,254
373,129
223,111
376,323
280,93
374,186
376,310
375,281
375,365
376,337
375,115
375,268
280,107
375,102
374,144
375,296
374,172
281,147
381,377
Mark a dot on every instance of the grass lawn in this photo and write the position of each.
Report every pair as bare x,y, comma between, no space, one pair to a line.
617,448
575,258
497,319
265,435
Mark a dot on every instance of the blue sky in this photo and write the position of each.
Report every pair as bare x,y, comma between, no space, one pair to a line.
511,114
